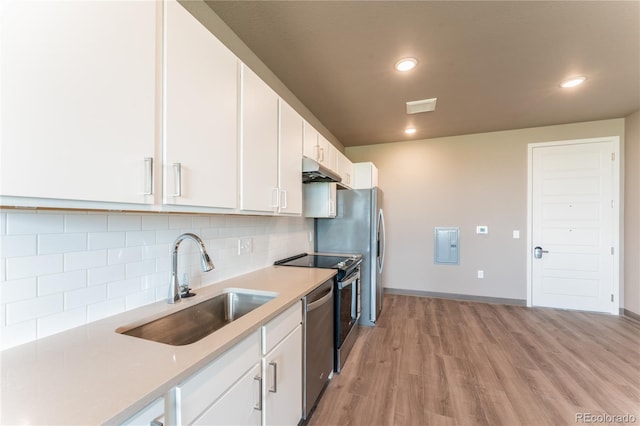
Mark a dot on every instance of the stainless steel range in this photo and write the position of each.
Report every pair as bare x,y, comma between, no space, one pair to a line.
347,296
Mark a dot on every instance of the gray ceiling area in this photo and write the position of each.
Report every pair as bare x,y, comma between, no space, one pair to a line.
492,65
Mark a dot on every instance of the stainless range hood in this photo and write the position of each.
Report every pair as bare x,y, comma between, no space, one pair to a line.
312,171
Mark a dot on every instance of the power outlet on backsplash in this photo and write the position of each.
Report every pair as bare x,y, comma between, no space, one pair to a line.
245,245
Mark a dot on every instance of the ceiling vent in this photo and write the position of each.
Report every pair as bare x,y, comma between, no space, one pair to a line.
425,105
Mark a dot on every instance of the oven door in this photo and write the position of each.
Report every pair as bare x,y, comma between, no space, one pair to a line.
348,305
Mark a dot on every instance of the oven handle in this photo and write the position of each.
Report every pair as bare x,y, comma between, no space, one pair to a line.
350,280
315,305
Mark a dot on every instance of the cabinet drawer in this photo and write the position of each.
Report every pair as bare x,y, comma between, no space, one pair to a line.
278,328
206,386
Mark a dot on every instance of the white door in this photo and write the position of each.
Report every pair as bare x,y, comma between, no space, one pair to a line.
573,217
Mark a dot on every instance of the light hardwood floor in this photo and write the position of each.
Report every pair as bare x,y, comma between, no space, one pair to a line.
442,362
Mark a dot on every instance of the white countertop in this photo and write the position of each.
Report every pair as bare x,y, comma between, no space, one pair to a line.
93,375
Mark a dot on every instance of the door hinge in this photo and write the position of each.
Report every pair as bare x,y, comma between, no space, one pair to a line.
613,156
612,297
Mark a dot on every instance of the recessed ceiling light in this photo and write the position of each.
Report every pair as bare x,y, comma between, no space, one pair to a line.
573,82
406,64
410,131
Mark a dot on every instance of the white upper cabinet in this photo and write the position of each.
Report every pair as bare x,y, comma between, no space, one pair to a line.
310,142
259,144
200,114
345,170
290,160
79,100
328,153
365,175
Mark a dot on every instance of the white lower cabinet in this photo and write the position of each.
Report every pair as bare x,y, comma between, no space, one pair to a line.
256,382
283,381
152,414
237,406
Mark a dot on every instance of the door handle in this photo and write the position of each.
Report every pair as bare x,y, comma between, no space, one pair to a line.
537,252
274,389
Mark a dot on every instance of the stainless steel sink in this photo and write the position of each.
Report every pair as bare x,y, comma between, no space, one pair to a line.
198,321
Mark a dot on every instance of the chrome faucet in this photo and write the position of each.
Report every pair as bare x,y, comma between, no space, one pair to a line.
205,263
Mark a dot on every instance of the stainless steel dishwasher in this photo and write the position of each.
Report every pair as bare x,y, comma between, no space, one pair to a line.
317,361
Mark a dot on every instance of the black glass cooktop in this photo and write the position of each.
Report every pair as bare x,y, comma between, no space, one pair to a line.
324,261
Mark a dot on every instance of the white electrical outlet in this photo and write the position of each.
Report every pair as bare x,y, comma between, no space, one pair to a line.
480,274
516,234
245,245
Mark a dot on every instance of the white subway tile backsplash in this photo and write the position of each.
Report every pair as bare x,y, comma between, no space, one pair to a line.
106,240
124,255
125,222
34,223
200,222
77,298
167,236
56,323
33,308
105,309
64,269
3,223
106,274
17,334
85,260
180,221
123,288
31,266
18,245
85,223
155,222
59,283
61,243
139,269
140,238
16,290
140,298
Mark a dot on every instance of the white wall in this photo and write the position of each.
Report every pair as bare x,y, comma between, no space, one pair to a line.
462,181
62,269
632,214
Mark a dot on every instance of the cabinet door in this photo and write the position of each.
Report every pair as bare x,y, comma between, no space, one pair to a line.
328,153
240,405
259,146
319,199
200,117
283,381
310,141
152,412
345,170
290,160
78,99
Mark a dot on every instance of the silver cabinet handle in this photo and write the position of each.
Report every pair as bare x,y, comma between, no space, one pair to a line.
157,421
177,179
258,406
148,176
274,389
275,195
322,155
283,198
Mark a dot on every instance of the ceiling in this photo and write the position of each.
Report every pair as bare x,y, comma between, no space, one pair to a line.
492,65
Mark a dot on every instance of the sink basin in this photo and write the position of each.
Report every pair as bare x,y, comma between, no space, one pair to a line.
198,321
